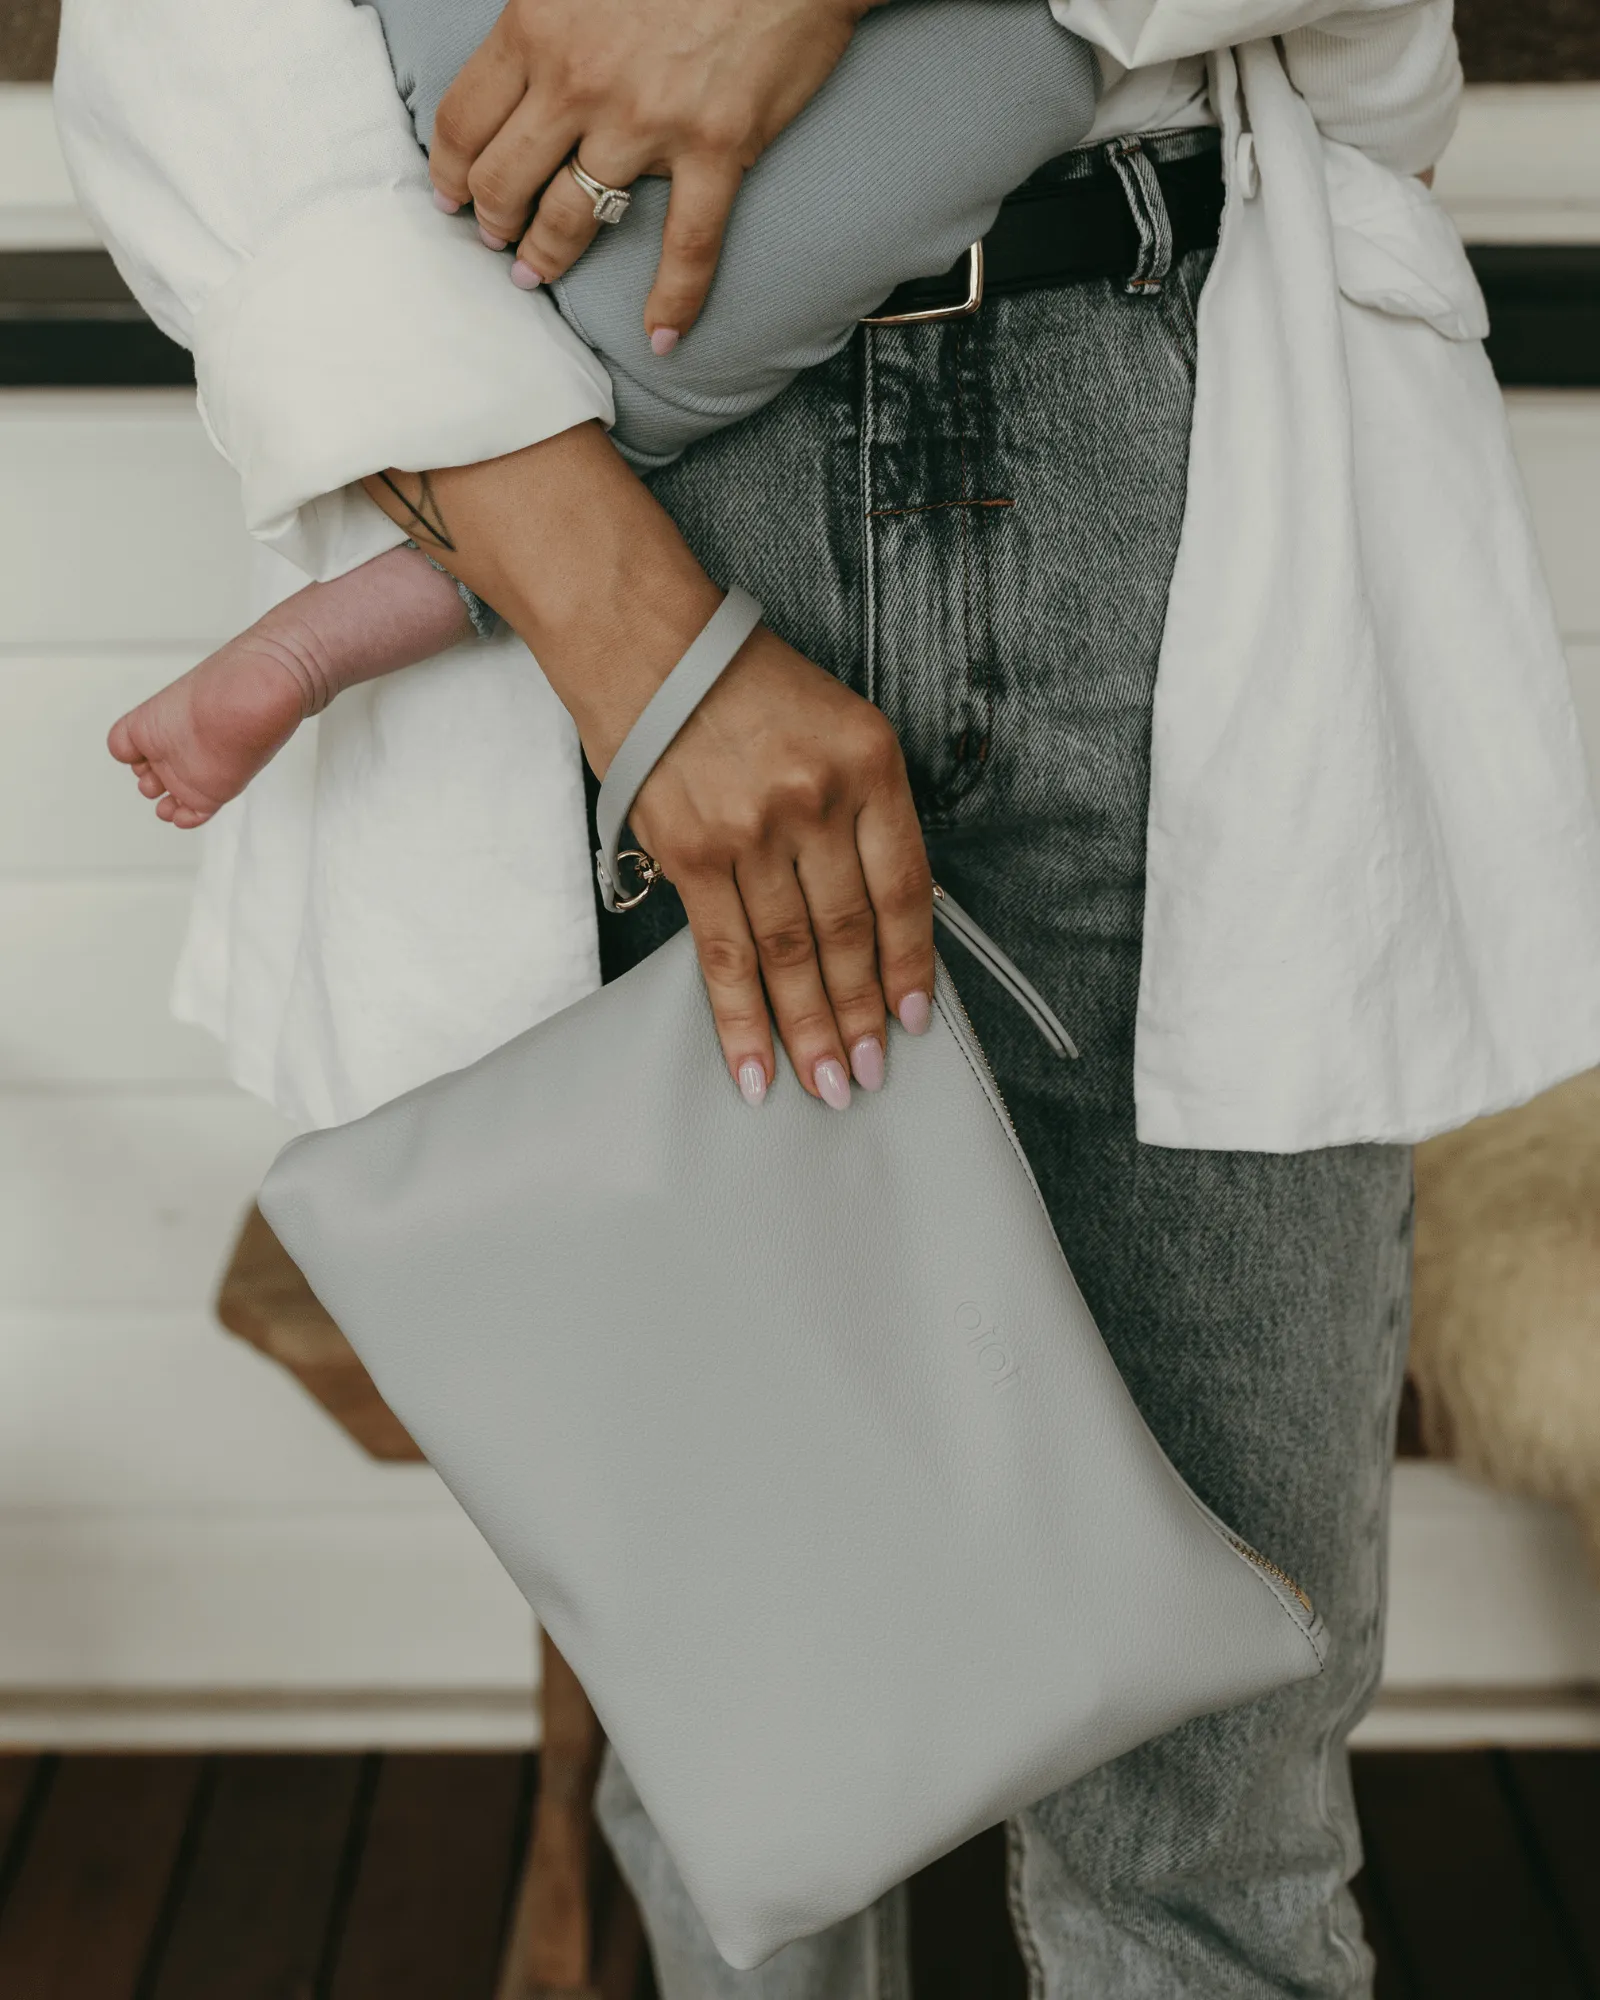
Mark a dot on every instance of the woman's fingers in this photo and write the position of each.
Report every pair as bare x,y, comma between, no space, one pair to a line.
564,224
894,862
506,178
475,107
845,929
703,192
732,973
783,814
781,924
692,89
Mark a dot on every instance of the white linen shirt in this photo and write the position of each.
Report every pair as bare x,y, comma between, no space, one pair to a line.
1373,867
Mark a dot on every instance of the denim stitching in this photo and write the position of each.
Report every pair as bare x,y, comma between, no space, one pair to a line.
934,507
988,429
1017,1909
1344,1716
958,358
869,567
977,675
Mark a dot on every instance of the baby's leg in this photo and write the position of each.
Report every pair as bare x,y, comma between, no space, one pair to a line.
937,111
198,742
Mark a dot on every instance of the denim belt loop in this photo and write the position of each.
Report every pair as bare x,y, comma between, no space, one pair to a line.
1135,169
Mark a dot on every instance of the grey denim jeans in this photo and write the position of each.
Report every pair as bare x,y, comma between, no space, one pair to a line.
974,524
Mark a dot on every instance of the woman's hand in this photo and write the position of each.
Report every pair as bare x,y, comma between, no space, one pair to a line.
695,89
782,812
783,816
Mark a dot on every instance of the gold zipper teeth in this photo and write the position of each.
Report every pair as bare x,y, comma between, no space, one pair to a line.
1272,1569
982,1054
1250,1555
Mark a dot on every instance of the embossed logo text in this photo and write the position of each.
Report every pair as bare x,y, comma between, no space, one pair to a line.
985,1345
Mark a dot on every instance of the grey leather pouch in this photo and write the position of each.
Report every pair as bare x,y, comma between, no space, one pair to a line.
792,1426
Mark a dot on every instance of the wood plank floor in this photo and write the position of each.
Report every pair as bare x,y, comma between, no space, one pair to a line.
391,1878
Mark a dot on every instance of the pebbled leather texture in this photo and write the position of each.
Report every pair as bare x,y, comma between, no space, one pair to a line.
793,1429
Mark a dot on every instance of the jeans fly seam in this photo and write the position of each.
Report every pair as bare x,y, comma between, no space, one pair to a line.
959,358
869,553
977,668
988,429
1017,1908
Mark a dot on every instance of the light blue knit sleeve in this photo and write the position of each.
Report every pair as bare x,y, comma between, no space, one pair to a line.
484,619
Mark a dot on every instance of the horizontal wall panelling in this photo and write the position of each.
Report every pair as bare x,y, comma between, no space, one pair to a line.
189,1550
256,1601
1557,438
119,521
38,208
84,982
122,1410
1524,165
66,806
126,1197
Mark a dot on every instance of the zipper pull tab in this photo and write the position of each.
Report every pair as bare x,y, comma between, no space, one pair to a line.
994,961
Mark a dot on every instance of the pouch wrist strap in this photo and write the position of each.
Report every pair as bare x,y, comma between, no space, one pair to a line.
667,710
670,707
999,967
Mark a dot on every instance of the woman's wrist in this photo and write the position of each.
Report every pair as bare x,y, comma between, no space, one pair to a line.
577,556
782,812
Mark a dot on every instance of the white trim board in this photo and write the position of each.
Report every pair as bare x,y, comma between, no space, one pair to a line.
264,1719
1490,1596
1524,167
1434,1719
38,209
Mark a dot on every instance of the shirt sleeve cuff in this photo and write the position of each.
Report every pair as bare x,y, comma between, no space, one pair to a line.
370,334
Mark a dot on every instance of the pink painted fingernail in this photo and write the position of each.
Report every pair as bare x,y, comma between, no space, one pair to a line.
490,242
752,1081
833,1086
442,201
916,1013
664,340
525,276
866,1063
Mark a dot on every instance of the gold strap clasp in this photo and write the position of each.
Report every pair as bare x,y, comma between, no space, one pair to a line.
647,872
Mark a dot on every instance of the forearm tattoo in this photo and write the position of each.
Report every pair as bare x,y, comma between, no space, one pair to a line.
423,511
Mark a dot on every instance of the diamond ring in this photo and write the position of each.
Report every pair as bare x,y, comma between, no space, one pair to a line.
610,204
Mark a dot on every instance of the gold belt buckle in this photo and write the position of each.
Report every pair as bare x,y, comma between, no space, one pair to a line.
969,304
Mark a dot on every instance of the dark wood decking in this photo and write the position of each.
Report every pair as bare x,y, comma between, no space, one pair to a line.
391,1878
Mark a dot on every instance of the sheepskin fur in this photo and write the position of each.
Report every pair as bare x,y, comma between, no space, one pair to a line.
1506,1334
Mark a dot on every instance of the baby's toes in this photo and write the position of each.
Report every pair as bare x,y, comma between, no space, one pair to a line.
121,742
149,783
188,817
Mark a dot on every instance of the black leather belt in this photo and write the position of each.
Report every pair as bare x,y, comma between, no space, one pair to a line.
1121,212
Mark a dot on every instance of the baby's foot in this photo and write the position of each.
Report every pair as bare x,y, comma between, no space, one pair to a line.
200,741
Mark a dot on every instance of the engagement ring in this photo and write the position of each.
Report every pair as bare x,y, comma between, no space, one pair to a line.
610,204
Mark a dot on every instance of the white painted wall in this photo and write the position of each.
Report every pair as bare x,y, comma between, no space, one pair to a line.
188,1546
189,1550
